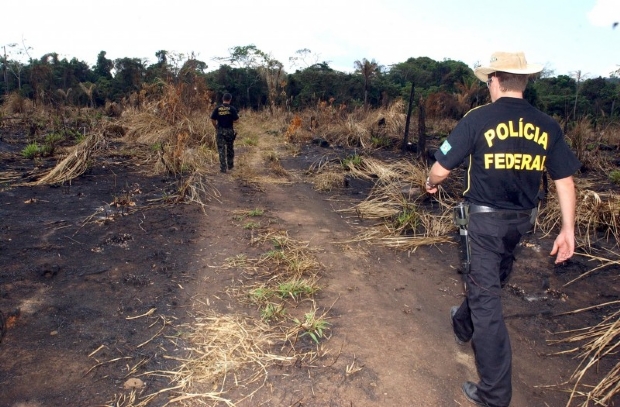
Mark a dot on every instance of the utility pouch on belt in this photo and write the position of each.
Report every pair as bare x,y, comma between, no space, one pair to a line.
461,219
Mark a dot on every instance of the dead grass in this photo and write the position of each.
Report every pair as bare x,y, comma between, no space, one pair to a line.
287,257
227,352
597,214
75,163
328,181
199,189
224,353
396,202
599,343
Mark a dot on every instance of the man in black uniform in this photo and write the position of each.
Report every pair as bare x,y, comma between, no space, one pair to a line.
223,118
506,145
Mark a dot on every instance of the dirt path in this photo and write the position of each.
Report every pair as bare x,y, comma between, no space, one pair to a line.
388,310
104,281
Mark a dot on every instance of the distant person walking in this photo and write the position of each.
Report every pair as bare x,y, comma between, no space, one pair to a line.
223,118
506,145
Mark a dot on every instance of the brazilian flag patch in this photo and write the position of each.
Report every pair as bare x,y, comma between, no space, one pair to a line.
445,147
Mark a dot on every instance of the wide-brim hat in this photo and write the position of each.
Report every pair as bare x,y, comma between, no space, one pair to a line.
511,62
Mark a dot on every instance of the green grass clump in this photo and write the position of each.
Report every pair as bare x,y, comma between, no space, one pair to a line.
272,312
251,225
614,177
407,219
380,142
296,289
352,161
256,212
32,150
312,325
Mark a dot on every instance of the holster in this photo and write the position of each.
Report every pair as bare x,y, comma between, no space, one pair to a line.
461,220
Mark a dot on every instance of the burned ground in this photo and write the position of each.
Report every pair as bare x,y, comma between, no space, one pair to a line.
103,277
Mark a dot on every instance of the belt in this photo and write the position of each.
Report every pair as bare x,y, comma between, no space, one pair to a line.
506,214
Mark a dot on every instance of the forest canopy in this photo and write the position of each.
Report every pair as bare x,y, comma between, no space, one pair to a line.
448,88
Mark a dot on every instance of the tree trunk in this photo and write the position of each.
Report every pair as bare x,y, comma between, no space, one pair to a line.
421,129
6,78
408,120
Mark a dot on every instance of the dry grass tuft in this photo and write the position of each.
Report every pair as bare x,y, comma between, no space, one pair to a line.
328,181
15,103
602,343
75,163
225,352
395,201
199,189
289,258
597,213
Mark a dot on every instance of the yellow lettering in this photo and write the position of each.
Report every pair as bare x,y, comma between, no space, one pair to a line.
513,132
543,140
489,135
512,129
500,161
535,164
488,160
527,131
517,161
510,161
502,131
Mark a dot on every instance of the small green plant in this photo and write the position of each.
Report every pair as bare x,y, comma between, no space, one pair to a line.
296,289
380,142
261,295
251,225
614,177
280,242
256,212
272,312
352,161
312,325
32,150
408,219
46,150
274,255
239,260
53,138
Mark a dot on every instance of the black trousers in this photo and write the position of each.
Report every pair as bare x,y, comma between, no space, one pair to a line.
493,239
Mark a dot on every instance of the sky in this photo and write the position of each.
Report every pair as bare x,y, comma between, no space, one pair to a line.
563,35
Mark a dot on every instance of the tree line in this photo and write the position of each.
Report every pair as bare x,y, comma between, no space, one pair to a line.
448,88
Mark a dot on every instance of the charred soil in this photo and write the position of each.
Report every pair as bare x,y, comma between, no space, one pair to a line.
101,276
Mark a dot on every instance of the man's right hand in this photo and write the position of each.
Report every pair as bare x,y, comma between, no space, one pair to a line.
563,246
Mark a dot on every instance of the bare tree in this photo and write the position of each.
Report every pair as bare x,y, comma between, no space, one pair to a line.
304,58
578,76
